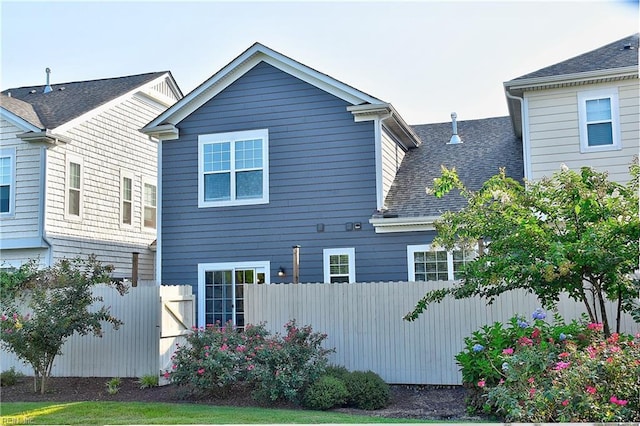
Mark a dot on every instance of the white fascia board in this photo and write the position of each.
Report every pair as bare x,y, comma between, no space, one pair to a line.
537,83
104,107
18,121
404,224
165,132
242,64
44,136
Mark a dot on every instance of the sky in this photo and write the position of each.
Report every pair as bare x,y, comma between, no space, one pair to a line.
427,58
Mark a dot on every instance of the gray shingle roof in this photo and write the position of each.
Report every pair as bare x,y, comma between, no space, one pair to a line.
70,100
21,109
610,56
487,145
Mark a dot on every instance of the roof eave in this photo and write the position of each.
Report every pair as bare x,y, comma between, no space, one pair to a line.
390,118
163,132
403,224
44,136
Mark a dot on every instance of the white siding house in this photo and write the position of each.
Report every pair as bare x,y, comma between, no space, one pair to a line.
82,178
581,112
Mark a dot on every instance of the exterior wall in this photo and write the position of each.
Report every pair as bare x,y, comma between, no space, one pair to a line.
322,171
554,132
392,156
24,224
108,144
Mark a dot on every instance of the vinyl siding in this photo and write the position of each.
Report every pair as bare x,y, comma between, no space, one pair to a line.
555,137
392,156
322,171
24,223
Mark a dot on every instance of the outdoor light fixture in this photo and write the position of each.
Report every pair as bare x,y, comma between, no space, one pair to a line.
282,272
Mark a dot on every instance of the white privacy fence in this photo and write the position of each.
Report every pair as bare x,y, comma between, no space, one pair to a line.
155,319
364,323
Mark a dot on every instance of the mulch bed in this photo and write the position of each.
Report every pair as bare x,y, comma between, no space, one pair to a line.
414,402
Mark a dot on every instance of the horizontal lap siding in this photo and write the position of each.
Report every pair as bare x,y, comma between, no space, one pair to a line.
555,138
322,170
364,324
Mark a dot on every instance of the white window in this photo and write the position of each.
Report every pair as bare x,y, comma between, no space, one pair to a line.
7,181
74,187
339,265
126,198
233,168
221,291
426,264
149,204
599,120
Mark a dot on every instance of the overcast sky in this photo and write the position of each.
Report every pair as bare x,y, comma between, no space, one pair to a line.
427,58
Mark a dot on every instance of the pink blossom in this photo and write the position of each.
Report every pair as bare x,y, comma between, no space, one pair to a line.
166,375
615,349
501,382
206,348
482,383
615,400
224,347
565,402
531,380
525,341
206,354
595,326
201,371
251,367
561,365
563,355
508,351
174,366
15,316
4,317
591,390
240,348
532,392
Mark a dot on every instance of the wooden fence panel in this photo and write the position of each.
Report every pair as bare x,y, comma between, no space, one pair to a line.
364,323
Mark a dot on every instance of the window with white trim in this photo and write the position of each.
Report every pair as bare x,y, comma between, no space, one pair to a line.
126,198
339,265
7,181
426,264
233,168
221,290
149,204
74,187
599,120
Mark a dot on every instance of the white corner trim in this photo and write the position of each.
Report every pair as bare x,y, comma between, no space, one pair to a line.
403,224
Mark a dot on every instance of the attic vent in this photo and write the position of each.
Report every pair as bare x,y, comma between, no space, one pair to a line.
47,88
627,46
454,123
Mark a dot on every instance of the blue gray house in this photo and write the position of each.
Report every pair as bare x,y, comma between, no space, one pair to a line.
273,172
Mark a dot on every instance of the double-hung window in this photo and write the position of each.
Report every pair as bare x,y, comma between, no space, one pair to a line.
74,187
126,198
599,120
339,265
7,181
233,168
427,264
150,203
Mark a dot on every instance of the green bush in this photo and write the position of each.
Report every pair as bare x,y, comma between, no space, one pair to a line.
113,385
367,390
337,371
325,393
10,377
148,381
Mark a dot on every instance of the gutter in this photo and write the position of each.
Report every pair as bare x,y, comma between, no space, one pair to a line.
524,124
536,83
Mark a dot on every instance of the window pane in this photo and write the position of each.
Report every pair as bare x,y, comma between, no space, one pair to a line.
217,157
599,109
5,171
126,212
339,279
5,190
74,175
430,266
600,134
74,202
248,154
150,217
249,184
217,187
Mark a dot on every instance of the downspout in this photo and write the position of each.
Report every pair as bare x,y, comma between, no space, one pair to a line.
526,154
43,205
159,214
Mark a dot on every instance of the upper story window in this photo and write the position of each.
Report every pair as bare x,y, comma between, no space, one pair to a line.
233,168
339,265
74,187
126,198
150,203
7,181
426,264
599,120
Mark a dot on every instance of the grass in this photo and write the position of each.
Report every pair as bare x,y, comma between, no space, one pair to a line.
97,413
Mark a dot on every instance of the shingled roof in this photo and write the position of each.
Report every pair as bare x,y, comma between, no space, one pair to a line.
487,145
69,100
619,54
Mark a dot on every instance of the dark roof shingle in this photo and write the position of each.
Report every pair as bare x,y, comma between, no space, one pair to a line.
68,101
487,145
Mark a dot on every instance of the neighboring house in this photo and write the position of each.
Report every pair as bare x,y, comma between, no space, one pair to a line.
269,154
582,112
76,175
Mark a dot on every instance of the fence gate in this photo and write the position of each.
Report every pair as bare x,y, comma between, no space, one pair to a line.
177,317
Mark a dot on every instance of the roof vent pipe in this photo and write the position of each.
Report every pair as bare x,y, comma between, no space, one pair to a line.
454,122
47,88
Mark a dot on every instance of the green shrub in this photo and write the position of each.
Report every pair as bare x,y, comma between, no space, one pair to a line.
10,377
148,381
367,390
337,371
325,393
113,385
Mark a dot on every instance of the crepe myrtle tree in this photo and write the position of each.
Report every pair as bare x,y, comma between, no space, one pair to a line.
42,308
575,233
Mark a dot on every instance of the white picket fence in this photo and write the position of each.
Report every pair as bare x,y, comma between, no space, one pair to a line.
364,324
155,319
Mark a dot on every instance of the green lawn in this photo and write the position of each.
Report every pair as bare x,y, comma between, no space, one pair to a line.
93,413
